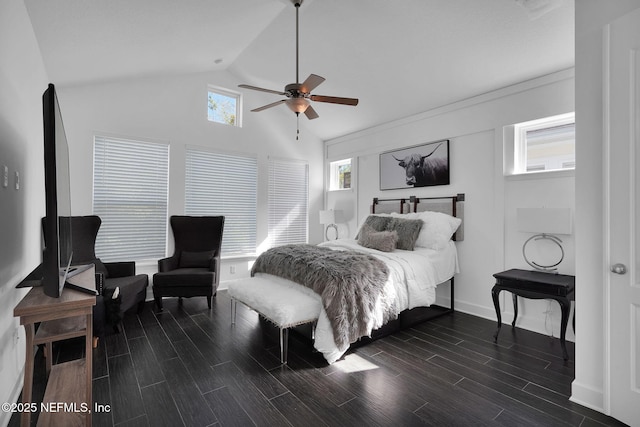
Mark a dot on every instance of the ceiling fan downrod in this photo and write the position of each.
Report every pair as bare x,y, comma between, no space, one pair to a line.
297,4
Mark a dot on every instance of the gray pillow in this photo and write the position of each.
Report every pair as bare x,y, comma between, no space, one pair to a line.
384,241
378,223
408,231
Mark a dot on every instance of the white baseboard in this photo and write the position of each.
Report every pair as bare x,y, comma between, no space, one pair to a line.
5,416
592,398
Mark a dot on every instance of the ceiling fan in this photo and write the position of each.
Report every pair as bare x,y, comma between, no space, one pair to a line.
299,94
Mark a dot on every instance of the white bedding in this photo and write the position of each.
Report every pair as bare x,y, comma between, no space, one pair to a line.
413,277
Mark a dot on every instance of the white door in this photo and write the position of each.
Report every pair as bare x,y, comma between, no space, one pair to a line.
622,146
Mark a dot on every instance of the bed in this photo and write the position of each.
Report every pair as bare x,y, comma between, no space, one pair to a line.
368,289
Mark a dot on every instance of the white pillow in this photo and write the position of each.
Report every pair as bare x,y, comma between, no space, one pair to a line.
437,229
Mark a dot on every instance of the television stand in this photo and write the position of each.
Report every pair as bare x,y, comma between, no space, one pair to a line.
69,316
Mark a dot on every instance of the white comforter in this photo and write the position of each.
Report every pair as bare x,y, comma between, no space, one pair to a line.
413,277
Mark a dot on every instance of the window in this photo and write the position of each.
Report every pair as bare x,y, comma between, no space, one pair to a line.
288,202
340,175
130,190
545,144
224,106
224,184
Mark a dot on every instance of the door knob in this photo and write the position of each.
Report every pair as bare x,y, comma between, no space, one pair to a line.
619,268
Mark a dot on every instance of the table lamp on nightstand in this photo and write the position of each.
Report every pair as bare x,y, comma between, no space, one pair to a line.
328,218
546,223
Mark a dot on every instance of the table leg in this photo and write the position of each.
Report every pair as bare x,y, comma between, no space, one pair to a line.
88,360
48,348
565,306
25,418
515,309
496,303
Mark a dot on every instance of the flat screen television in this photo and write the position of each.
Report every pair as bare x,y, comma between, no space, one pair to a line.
57,254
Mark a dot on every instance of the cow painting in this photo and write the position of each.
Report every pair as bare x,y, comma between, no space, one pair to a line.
419,166
421,171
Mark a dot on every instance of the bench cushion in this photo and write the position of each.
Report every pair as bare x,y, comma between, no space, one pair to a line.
284,303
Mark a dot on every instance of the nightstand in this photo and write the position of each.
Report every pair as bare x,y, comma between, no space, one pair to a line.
536,285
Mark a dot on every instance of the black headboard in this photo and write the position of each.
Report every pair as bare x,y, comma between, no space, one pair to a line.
450,205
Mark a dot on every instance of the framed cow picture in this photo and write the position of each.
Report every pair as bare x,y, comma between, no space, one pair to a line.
418,166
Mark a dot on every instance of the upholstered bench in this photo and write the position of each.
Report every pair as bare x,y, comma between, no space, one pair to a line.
283,303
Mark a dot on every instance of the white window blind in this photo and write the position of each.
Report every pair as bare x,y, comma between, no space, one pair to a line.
224,184
130,190
288,202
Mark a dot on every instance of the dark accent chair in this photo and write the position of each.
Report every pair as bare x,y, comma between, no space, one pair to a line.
194,268
133,288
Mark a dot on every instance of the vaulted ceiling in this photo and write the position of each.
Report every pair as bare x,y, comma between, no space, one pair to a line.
398,57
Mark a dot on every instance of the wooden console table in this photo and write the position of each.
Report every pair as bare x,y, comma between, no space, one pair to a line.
536,285
69,316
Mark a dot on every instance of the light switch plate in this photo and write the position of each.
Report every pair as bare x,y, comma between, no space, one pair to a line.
5,180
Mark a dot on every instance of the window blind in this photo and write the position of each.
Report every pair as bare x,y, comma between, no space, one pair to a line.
288,202
130,190
224,184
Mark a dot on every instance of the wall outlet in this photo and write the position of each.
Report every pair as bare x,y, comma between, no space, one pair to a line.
17,180
232,269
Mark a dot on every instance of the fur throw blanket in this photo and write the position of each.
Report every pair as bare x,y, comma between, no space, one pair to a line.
349,283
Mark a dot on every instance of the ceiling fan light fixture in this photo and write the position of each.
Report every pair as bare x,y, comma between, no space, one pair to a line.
298,105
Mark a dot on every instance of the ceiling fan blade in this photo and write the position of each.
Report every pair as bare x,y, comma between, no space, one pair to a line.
334,99
311,113
312,82
264,107
277,92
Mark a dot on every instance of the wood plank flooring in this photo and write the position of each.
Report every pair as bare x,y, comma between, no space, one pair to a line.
189,366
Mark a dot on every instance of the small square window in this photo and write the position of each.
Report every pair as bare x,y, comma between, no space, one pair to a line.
546,144
340,175
224,106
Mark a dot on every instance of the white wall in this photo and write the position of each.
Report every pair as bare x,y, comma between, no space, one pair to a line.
474,128
23,79
173,109
591,15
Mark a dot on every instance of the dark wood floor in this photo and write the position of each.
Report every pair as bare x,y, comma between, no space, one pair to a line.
189,366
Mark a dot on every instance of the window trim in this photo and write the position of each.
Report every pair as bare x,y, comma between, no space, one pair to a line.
334,176
231,94
514,145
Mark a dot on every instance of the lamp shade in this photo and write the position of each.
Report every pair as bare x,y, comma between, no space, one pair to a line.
327,217
544,220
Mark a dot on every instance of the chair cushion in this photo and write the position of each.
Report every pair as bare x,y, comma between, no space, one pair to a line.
185,277
195,259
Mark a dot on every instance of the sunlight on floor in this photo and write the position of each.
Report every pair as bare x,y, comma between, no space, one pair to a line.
354,363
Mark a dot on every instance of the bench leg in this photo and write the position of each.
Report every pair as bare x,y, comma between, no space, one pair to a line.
233,311
284,344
